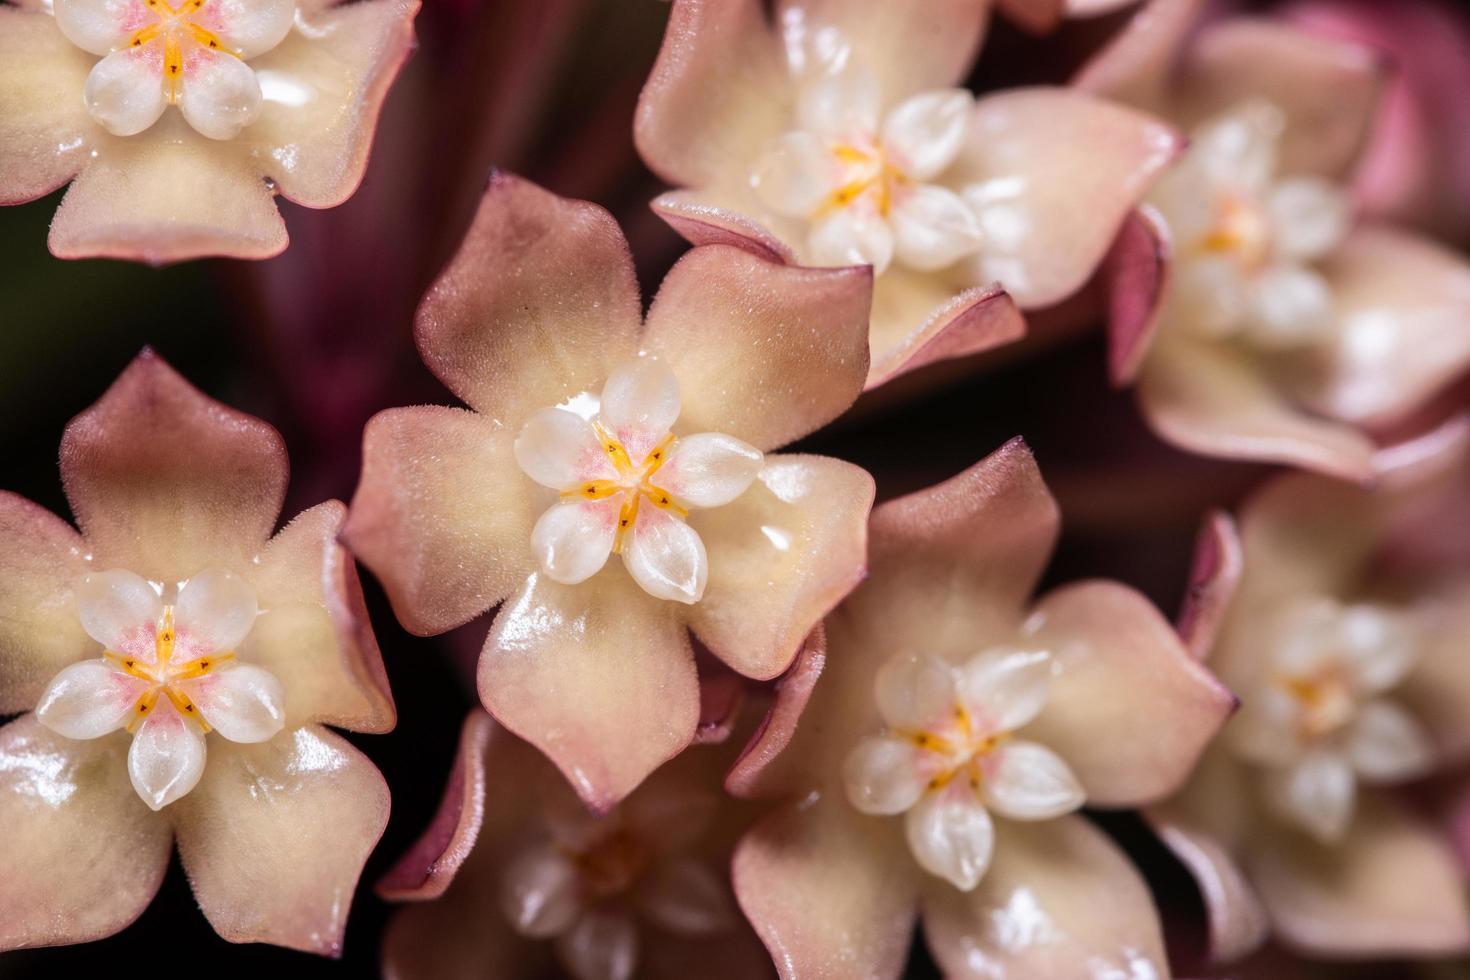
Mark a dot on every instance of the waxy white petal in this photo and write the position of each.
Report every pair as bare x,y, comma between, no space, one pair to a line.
1238,151
951,835
924,134
560,449
249,27
916,692
1210,296
1387,744
121,611
795,176
709,469
219,95
842,105
166,758
666,556
1028,781
1265,729
603,945
1309,217
89,699
243,703
885,775
932,228
101,26
1316,794
539,893
852,235
687,897
574,537
1293,307
214,613
640,403
1004,688
1379,644
125,92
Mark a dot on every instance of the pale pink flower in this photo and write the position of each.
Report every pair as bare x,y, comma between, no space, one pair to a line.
1339,615
986,720
596,432
1260,320
515,877
178,125
181,662
835,135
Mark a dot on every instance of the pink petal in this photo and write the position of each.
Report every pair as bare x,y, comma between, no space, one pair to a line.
43,139
165,481
717,94
430,865
280,865
1437,689
1130,710
706,219
764,769
1213,577
920,319
1137,66
41,559
218,204
1403,314
599,676
1328,89
349,56
429,941
763,352
539,304
829,891
1036,16
77,838
911,48
1099,918
313,633
1391,888
1051,174
442,514
1136,278
1216,400
780,557
952,565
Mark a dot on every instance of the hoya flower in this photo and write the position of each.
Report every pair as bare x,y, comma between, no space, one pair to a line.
836,135
515,876
594,433
176,664
1260,319
1338,614
934,764
177,124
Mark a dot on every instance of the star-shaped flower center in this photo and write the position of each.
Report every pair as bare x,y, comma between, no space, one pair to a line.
169,674
949,755
191,56
627,483
864,187
1247,240
1317,719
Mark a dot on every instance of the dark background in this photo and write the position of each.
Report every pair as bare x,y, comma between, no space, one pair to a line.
317,340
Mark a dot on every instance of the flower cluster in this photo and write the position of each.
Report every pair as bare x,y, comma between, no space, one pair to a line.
734,710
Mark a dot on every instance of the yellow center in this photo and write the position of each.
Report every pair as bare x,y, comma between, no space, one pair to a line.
163,674
171,20
635,481
1241,230
1326,700
962,748
869,170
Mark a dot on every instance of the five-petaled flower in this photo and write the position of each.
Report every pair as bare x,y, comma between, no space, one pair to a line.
590,660
273,96
640,891
986,723
836,136
1259,320
221,649
1339,615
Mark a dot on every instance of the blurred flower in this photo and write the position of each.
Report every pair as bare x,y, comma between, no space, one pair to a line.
1339,615
272,96
835,137
175,613
1259,322
515,874
946,694
537,313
